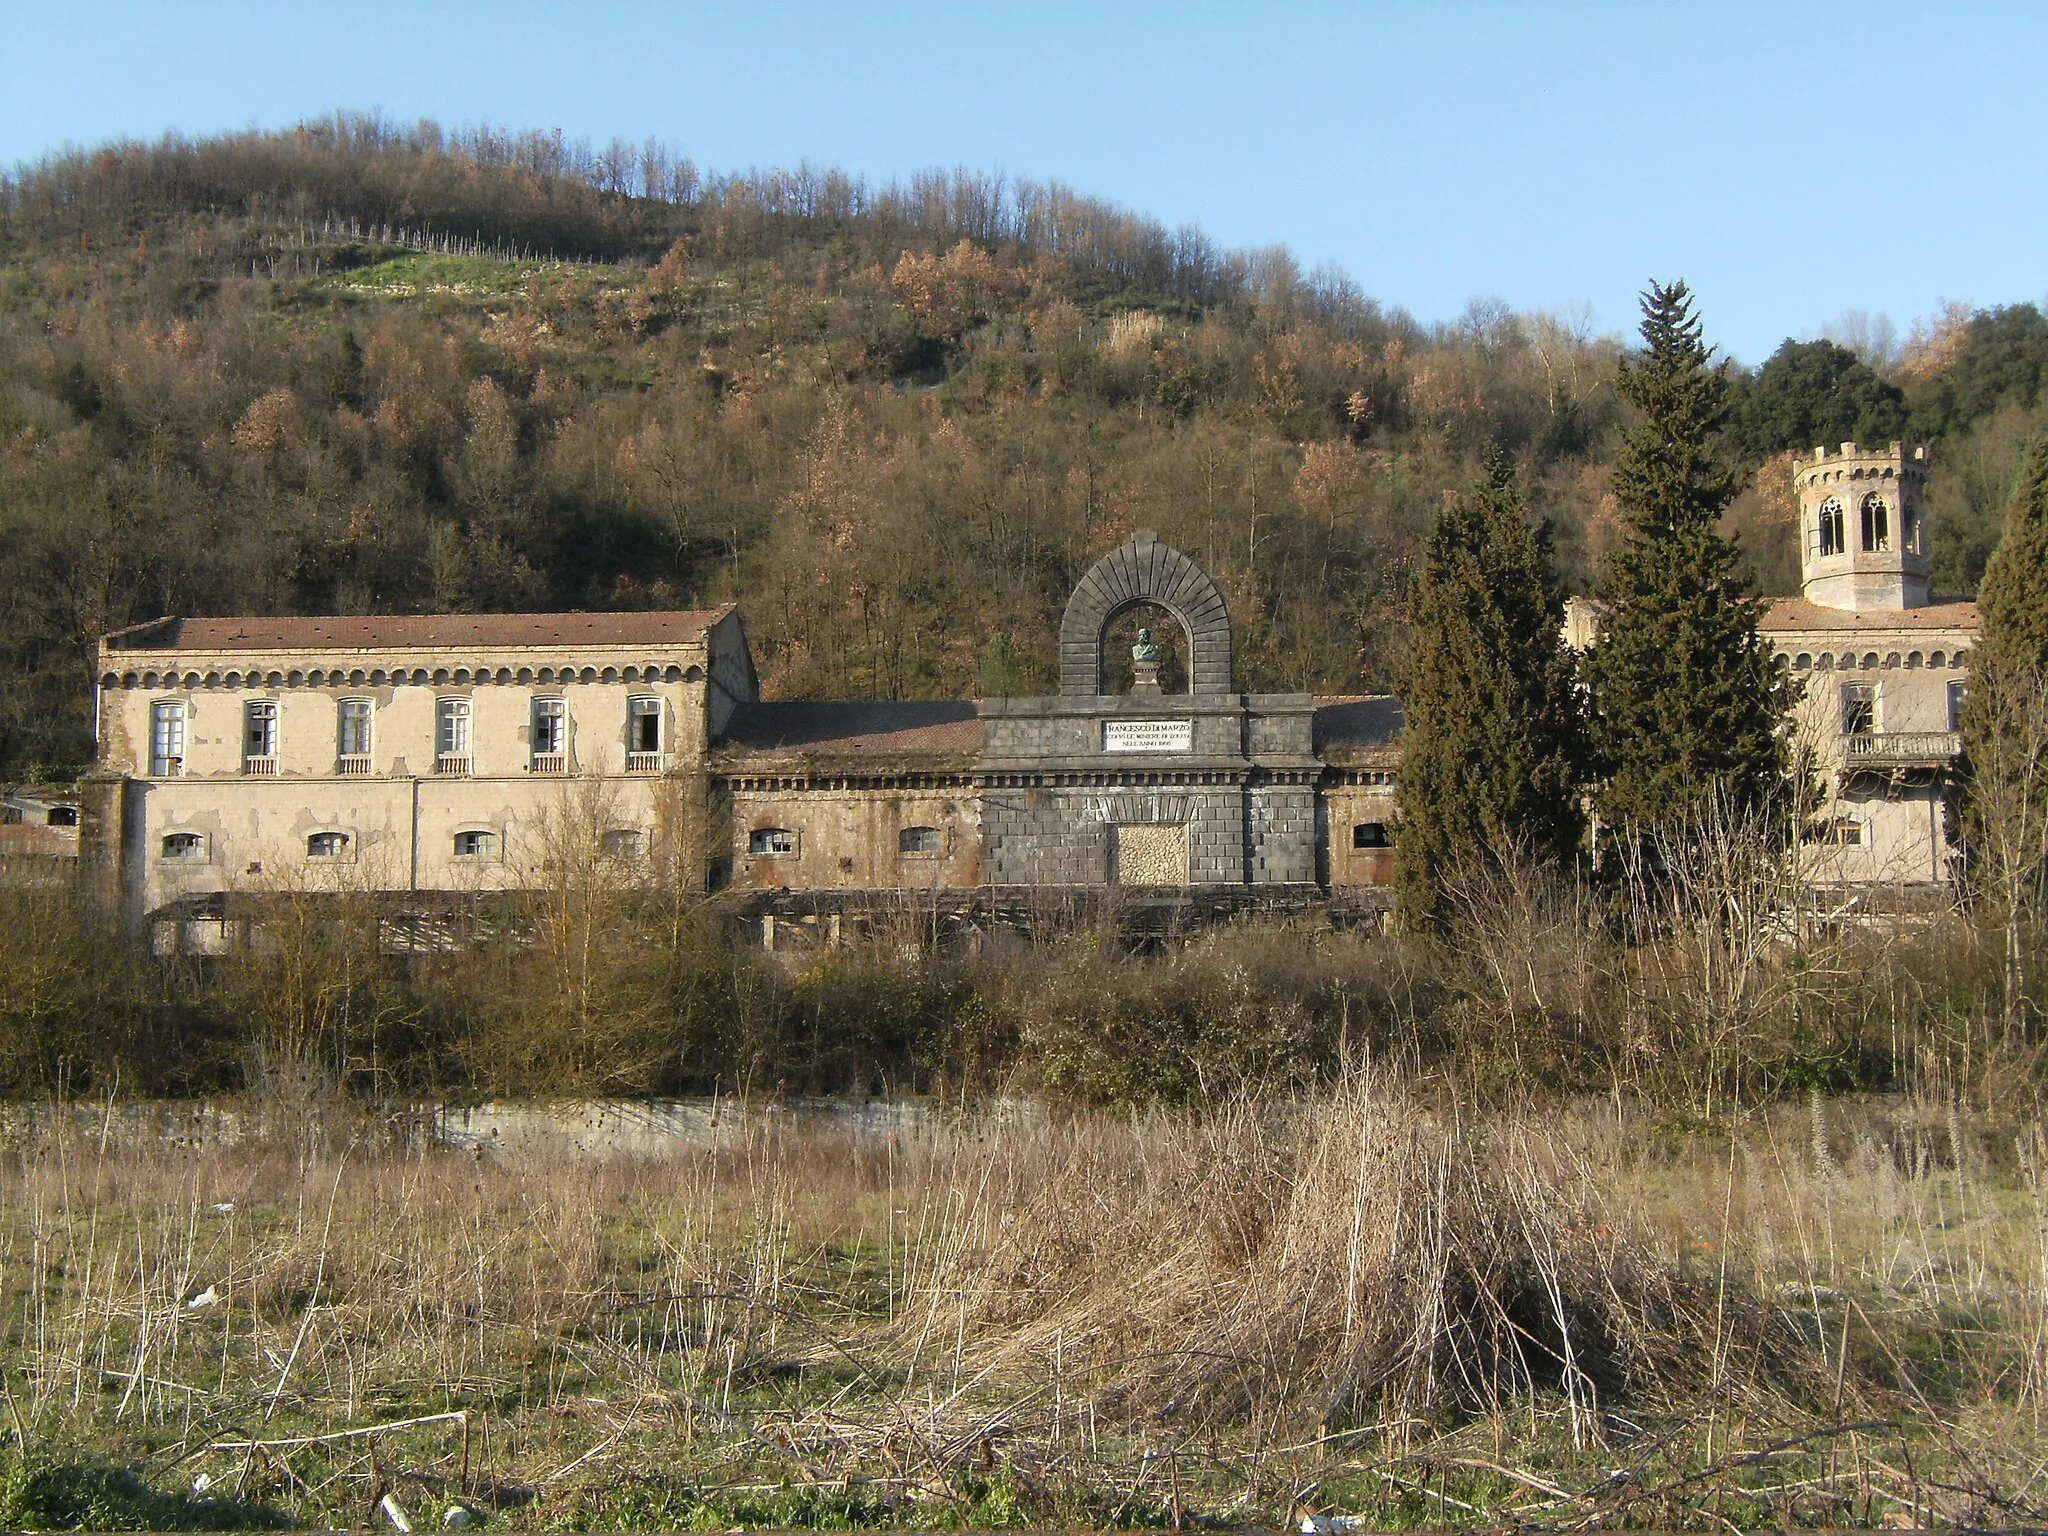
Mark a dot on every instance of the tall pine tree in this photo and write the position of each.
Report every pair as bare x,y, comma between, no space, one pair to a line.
1490,755
2005,722
1685,707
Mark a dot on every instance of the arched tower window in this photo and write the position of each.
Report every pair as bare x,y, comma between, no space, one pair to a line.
1877,524
1831,540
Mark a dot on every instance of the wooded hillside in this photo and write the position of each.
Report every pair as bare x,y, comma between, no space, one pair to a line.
354,368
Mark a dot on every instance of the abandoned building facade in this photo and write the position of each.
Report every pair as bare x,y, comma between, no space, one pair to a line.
1883,669
430,756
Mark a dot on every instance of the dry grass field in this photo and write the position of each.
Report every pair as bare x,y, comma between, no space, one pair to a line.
1377,1301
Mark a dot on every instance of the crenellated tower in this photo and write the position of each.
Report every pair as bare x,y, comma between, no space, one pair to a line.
1863,527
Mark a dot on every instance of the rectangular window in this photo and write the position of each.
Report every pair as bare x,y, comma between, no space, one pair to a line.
166,738
355,719
1957,692
643,725
1859,709
1370,834
454,728
476,845
771,841
919,840
259,732
548,717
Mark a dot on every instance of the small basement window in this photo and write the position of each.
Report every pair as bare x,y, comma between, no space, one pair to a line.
1370,834
327,845
772,842
476,845
623,843
1838,832
919,840
184,845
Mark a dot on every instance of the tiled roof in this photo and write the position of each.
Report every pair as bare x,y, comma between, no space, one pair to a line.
1357,721
434,631
1796,613
881,729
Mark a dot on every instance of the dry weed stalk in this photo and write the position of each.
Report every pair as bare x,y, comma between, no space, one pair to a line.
1234,1305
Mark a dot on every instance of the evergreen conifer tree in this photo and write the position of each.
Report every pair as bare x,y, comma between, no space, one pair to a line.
1685,707
1490,753
2005,722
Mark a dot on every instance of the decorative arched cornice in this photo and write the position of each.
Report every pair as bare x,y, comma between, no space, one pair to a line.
1145,571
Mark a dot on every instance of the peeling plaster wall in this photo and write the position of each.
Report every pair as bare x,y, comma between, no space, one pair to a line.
847,838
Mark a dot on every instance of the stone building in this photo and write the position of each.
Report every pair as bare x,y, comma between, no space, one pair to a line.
430,758
1883,667
404,755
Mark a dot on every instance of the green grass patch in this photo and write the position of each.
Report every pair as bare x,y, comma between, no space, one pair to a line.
39,1492
413,274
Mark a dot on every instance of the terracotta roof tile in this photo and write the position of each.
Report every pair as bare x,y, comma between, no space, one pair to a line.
1357,720
797,730
1796,613
436,631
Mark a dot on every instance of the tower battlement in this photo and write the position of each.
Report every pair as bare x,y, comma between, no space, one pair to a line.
1863,527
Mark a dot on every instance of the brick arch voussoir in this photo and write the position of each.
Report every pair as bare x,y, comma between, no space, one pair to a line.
1145,571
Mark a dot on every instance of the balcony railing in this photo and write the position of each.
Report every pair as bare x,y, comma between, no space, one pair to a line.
1903,747
549,763
260,767
643,762
454,764
353,765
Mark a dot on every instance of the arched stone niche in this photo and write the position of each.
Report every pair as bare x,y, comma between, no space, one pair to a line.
1145,571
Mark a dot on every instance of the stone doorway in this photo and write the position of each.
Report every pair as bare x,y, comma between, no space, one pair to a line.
1148,855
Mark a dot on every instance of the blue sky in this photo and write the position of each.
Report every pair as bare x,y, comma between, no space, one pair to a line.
1791,161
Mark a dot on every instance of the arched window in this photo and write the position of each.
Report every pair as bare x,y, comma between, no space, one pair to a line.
1859,709
476,845
772,842
353,720
643,733
327,845
1877,523
1831,540
166,738
259,736
452,736
550,737
919,840
1370,834
1910,516
623,843
184,845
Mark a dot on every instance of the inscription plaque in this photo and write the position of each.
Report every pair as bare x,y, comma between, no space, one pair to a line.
1148,735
